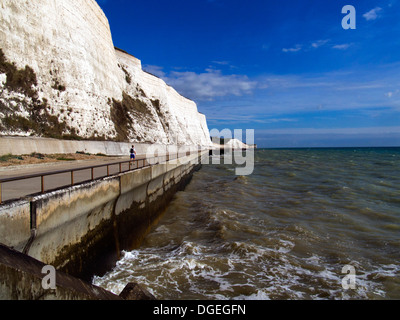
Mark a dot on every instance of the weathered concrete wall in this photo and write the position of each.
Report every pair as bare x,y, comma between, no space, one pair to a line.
15,224
80,227
21,279
28,145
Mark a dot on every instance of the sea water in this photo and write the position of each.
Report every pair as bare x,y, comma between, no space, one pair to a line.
290,230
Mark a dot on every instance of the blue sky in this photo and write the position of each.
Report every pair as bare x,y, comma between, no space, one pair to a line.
286,69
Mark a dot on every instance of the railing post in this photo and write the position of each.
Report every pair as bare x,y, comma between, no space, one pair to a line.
42,183
72,177
92,173
108,170
0,193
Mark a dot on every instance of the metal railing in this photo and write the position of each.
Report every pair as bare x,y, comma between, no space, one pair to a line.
122,167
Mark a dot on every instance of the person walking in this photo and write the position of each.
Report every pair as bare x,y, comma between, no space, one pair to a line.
133,152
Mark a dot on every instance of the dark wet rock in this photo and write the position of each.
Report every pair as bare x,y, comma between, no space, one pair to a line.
134,291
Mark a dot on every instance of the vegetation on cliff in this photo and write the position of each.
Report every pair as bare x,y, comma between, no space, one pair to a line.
133,113
22,110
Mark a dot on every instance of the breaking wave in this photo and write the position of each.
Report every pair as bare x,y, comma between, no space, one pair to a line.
285,232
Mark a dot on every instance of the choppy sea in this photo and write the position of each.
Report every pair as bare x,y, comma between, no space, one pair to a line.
304,224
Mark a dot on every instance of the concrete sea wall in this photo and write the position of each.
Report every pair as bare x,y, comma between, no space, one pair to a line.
28,145
82,229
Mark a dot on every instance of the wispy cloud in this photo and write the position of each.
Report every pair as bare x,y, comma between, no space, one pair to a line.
155,70
306,47
347,131
319,43
209,84
295,49
344,46
279,99
372,14
235,116
391,94
222,63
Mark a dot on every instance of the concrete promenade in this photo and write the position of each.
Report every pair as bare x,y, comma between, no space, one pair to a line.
80,228
116,152
21,188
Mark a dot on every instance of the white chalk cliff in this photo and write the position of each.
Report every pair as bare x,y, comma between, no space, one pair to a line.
60,75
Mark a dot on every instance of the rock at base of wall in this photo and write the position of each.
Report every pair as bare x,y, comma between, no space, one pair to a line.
134,291
21,278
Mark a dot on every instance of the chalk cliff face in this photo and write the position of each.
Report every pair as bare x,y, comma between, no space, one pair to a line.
60,76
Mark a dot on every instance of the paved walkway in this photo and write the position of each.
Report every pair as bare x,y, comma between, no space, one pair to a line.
21,188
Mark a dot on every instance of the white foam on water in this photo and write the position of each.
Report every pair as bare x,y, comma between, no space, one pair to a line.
191,268
259,295
284,240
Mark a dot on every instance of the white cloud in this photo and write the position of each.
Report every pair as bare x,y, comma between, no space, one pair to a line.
233,115
319,43
372,14
210,84
221,63
314,45
295,49
155,70
319,131
342,46
392,93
